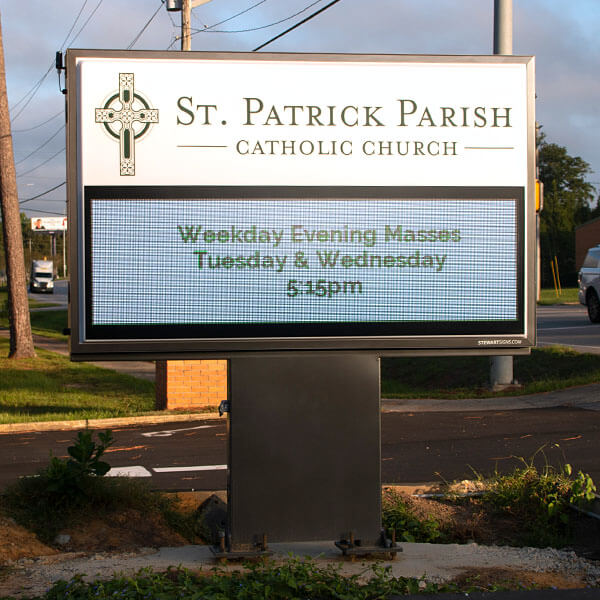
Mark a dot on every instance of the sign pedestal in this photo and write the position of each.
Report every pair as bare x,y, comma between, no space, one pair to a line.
304,450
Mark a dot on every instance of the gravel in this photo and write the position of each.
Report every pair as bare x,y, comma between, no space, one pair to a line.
437,562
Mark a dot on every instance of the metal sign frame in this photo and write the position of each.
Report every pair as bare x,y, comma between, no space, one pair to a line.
180,341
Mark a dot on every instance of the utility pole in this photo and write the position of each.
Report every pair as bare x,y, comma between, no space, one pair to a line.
501,367
21,340
186,25
185,6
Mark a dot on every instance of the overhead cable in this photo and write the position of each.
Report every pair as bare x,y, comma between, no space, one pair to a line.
60,112
209,30
51,212
43,193
139,35
41,164
296,25
33,91
40,146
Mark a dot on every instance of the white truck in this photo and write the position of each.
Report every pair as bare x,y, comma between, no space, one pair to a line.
42,276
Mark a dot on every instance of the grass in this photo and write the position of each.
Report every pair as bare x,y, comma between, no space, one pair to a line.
50,323
549,296
32,302
51,387
545,369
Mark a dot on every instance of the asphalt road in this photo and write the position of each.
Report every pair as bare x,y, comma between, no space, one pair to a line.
416,447
568,325
58,297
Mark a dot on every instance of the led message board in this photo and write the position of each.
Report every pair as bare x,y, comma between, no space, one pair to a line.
292,208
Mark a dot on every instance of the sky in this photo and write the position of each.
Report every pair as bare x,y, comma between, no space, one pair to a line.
563,36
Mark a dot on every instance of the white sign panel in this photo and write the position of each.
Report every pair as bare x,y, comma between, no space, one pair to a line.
309,122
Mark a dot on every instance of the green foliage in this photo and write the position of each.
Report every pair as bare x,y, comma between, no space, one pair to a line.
46,501
583,489
291,579
85,454
540,500
408,527
545,369
548,296
67,480
567,203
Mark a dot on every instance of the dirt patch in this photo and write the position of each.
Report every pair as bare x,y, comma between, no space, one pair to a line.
132,531
464,522
16,542
124,531
516,579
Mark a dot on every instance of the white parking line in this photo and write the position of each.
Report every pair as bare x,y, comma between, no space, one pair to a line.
169,432
132,471
182,469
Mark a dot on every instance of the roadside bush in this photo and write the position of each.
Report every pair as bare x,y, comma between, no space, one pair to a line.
68,491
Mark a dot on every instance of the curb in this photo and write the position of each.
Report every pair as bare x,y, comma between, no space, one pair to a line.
101,423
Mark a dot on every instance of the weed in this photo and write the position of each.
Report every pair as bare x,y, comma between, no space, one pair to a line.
408,527
539,499
292,578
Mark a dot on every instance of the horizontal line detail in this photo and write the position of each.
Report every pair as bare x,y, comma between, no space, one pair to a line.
198,146
184,469
489,147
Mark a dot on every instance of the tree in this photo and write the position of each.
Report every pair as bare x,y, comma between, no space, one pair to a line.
568,201
21,340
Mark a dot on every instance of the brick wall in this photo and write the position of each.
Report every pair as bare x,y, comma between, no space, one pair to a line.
586,236
189,384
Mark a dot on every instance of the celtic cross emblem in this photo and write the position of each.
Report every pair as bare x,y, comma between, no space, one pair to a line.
129,109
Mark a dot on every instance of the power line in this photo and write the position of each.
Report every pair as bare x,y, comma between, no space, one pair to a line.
86,22
257,28
74,23
33,91
210,27
139,35
40,146
60,112
236,15
296,25
43,193
41,164
49,212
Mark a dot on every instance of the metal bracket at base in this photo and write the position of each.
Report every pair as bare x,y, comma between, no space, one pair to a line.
353,548
224,552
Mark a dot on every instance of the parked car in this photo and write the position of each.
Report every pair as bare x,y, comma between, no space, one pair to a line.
589,284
